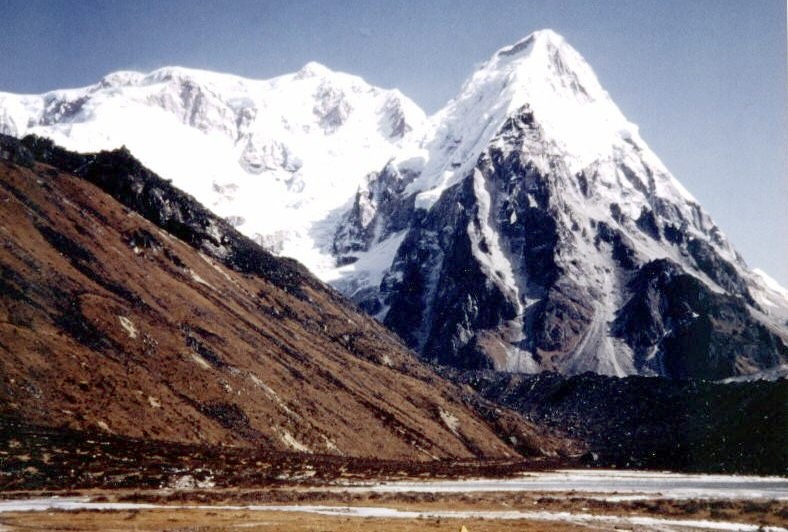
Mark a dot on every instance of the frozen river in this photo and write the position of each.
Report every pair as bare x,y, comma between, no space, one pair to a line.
608,485
611,485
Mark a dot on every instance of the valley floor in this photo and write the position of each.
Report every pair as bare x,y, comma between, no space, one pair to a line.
550,500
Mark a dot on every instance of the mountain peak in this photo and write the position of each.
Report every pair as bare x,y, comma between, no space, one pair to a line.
546,73
174,73
568,221
542,73
528,43
313,69
121,78
546,62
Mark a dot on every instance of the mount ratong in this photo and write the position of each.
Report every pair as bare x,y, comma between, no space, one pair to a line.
526,226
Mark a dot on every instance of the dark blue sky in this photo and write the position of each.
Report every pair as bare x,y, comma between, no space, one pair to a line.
704,80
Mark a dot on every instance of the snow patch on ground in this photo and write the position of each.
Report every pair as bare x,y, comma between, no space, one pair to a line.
771,282
330,445
769,292
200,280
200,361
450,420
128,326
188,482
273,395
217,267
293,443
771,374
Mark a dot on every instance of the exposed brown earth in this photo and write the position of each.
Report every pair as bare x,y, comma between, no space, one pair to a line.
110,324
209,520
41,462
42,458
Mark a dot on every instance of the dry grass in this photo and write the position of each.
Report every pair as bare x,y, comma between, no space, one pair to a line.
205,520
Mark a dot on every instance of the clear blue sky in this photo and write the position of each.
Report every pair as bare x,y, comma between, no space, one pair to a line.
704,80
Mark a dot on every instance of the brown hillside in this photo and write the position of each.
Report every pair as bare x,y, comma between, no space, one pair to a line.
109,322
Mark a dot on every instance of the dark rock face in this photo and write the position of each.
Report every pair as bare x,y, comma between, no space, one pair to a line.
623,249
680,328
647,223
652,422
332,108
378,211
394,121
57,109
433,265
559,320
13,151
524,266
444,299
720,270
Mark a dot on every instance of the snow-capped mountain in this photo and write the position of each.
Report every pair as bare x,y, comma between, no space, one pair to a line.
275,157
525,226
530,227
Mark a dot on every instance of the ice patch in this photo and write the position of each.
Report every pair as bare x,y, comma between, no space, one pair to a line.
654,485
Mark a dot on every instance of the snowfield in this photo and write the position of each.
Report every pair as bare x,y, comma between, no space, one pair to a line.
277,157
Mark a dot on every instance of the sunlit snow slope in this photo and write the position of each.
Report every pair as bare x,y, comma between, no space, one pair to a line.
276,157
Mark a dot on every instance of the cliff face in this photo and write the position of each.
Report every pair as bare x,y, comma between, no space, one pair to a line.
531,228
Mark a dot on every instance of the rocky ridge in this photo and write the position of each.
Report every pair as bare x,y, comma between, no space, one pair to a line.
531,228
